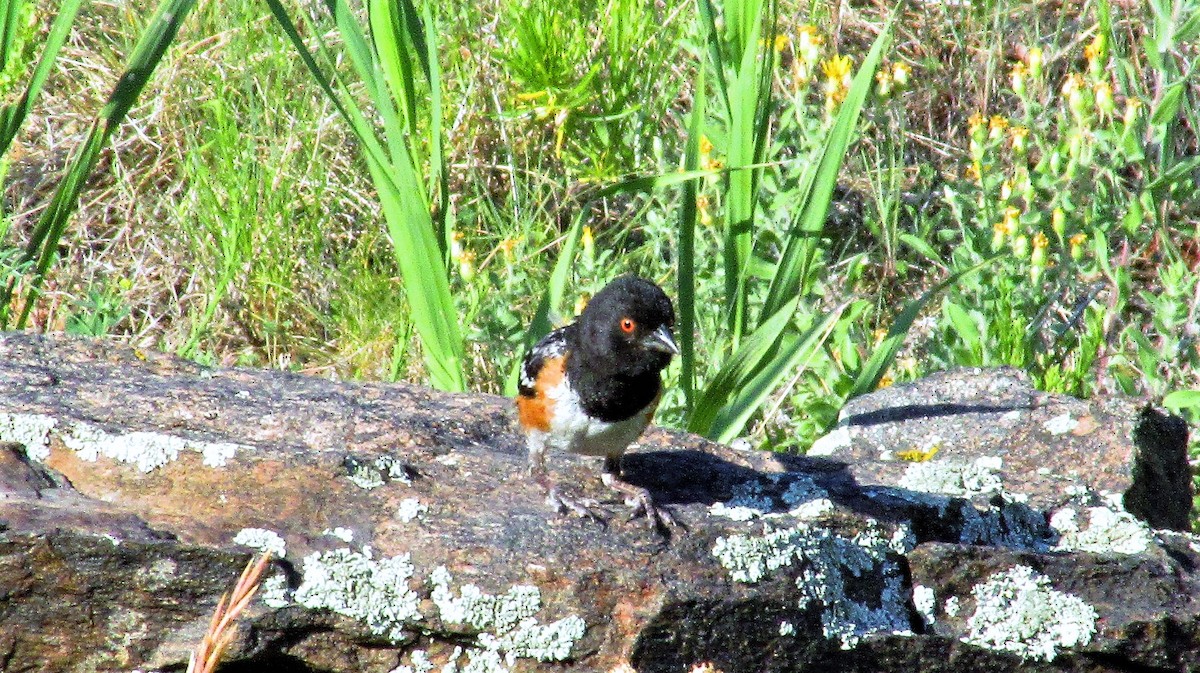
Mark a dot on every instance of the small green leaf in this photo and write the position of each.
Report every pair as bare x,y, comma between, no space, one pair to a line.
1182,399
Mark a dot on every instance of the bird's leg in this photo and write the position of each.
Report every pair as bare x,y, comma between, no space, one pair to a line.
554,497
635,496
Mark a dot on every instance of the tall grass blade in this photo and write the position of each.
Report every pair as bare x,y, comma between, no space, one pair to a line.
686,269
13,116
794,268
748,397
749,101
404,196
748,359
874,368
43,243
549,306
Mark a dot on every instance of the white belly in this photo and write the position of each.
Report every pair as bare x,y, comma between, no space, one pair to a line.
572,430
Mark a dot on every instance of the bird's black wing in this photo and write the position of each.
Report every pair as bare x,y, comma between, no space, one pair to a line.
553,345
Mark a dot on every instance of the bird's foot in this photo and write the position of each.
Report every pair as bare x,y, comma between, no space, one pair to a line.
584,508
659,518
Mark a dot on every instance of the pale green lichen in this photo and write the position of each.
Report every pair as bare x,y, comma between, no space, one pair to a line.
354,584
787,628
1017,611
823,561
147,451
410,509
378,472
31,430
925,601
1061,424
951,606
341,533
418,663
275,593
955,478
263,540
507,627
1108,531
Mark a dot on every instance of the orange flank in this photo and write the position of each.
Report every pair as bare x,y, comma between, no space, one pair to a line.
534,411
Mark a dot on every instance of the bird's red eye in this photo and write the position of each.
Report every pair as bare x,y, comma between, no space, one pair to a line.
628,325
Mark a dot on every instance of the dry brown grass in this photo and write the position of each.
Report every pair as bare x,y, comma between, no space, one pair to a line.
221,629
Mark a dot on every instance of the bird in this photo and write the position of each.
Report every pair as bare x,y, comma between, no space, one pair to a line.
592,387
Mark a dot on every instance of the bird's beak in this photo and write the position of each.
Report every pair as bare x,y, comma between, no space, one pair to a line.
661,340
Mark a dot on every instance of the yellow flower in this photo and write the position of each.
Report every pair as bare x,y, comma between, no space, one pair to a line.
975,127
589,242
900,73
1035,59
974,172
1076,92
808,44
1096,53
706,160
1018,135
466,265
1012,215
1037,259
1105,105
702,203
507,246
1132,106
883,83
996,126
837,74
1017,76
781,42
1005,228
1077,242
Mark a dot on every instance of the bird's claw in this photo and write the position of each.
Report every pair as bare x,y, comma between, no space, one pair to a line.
659,518
580,507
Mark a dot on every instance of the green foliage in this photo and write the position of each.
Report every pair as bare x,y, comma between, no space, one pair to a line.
761,362
410,177
43,244
588,78
1068,248
1053,189
98,314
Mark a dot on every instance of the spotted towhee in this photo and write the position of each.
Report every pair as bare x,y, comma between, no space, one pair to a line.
592,387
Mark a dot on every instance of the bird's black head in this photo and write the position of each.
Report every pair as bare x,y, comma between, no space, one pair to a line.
626,328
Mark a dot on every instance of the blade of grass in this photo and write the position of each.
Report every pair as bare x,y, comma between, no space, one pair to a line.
551,301
147,53
793,271
13,116
876,365
403,194
748,397
686,270
740,367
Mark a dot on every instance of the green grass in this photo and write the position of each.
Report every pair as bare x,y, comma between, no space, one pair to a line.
236,219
